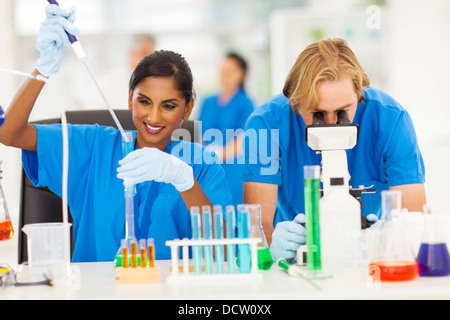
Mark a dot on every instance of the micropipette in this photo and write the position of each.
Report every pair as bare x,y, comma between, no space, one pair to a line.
32,76
79,51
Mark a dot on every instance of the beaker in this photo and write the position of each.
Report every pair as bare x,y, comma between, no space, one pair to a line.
47,250
6,228
393,258
265,260
433,257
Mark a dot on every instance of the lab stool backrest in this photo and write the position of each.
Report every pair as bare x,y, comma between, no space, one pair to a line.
40,205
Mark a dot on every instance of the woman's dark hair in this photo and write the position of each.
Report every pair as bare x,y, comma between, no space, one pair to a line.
164,63
242,64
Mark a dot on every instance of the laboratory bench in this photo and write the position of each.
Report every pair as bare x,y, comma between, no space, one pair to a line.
97,281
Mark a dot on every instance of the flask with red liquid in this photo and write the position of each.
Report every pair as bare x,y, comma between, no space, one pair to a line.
393,258
6,229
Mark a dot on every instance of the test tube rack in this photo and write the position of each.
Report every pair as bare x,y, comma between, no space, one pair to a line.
138,275
184,272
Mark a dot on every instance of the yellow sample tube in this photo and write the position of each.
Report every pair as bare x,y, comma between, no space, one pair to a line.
143,250
151,252
134,252
124,245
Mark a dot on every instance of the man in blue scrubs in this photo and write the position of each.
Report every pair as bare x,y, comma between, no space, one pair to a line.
386,155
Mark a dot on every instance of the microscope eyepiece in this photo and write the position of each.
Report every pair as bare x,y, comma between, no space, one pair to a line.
317,119
343,117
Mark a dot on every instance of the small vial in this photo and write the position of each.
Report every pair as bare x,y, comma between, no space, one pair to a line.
124,245
143,251
134,252
151,252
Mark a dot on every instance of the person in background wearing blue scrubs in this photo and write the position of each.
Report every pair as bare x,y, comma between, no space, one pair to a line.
170,175
228,112
327,78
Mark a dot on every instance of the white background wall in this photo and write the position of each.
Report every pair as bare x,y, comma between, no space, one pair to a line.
415,58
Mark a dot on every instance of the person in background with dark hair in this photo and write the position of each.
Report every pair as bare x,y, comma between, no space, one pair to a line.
161,96
228,111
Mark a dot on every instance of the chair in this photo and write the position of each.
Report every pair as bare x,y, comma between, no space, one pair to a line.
40,205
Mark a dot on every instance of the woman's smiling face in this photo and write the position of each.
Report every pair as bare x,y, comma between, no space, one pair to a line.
158,109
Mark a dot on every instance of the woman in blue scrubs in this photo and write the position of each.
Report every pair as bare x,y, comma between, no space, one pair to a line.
327,78
171,176
223,117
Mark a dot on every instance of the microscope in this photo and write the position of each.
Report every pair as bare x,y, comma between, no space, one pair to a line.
331,141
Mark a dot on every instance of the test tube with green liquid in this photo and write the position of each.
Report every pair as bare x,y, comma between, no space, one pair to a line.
312,196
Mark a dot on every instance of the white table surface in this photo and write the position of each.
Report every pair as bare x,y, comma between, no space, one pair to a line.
97,281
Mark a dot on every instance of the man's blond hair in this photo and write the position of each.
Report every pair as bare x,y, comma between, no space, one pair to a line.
324,60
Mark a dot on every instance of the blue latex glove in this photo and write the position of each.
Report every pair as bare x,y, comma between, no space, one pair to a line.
148,164
287,237
52,40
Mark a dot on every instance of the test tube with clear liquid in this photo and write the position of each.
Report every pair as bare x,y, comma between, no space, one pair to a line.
218,234
230,216
6,228
129,192
196,225
207,235
393,258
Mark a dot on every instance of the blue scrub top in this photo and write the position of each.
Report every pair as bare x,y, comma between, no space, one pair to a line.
386,154
232,116
96,196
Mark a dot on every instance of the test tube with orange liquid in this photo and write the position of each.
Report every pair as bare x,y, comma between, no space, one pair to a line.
151,252
6,228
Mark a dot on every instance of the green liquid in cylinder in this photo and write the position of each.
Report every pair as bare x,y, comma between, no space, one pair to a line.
312,196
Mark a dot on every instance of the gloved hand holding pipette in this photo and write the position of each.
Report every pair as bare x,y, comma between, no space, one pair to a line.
52,40
148,164
287,237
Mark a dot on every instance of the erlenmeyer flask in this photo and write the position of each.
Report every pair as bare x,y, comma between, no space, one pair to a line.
6,228
265,260
433,257
393,258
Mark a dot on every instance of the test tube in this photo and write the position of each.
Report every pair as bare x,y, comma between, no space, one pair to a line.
218,234
151,252
129,209
124,245
143,252
134,254
207,235
243,229
230,216
196,235
312,196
